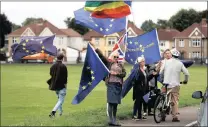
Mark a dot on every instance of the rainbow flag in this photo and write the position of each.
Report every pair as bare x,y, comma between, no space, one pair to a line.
108,9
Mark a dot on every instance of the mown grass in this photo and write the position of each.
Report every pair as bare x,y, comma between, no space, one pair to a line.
26,100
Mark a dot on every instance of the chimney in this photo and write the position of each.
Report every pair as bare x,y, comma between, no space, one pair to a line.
204,22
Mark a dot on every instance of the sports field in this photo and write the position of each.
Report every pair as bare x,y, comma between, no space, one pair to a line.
26,100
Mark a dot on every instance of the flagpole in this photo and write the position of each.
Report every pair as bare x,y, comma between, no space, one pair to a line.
134,26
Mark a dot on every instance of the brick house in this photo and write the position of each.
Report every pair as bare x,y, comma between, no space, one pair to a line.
192,42
166,38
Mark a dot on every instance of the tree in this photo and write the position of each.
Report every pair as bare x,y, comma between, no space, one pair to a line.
15,27
6,28
184,18
148,25
203,14
70,23
31,20
161,23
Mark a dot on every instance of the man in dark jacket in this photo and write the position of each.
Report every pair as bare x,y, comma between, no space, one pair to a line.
58,82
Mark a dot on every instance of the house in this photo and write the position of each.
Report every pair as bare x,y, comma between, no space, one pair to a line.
192,42
106,43
64,37
166,38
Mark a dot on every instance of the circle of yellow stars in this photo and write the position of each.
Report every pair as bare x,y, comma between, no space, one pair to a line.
141,48
27,51
92,79
102,29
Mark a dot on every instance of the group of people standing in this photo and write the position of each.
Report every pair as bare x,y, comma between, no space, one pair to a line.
169,68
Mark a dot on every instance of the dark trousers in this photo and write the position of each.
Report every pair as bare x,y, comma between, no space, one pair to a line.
112,110
145,106
138,107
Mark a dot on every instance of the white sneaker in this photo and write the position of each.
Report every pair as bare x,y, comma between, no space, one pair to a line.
144,114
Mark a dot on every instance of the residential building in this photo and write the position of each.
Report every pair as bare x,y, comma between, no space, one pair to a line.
192,42
106,43
166,38
65,38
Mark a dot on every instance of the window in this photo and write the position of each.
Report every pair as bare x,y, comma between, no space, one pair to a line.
14,40
196,54
111,41
196,42
109,52
162,43
97,41
181,43
60,40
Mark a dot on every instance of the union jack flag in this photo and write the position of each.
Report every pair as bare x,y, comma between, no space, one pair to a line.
120,48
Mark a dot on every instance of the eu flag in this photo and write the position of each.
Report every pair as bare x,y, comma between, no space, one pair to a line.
145,45
92,73
130,81
33,45
104,26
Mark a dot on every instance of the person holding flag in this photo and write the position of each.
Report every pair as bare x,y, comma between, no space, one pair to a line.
114,83
140,87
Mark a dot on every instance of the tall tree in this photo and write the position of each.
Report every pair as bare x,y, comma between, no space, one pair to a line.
161,23
31,20
148,25
184,18
204,14
70,23
15,26
6,28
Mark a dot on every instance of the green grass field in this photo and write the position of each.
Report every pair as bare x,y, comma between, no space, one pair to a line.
26,100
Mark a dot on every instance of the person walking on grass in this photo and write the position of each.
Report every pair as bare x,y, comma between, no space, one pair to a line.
58,83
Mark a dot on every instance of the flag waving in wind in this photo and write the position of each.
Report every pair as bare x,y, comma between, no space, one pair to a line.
33,45
92,73
119,47
108,9
103,26
145,45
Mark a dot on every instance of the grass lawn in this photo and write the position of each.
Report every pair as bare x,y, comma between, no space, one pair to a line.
26,100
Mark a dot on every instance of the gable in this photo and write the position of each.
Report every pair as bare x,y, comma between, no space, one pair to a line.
196,33
131,32
112,35
28,32
46,32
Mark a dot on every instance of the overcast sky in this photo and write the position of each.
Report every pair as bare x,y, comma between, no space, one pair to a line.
56,12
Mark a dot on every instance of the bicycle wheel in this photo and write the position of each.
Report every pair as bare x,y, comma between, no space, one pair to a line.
158,112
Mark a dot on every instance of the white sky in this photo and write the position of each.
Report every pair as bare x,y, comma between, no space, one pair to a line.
56,12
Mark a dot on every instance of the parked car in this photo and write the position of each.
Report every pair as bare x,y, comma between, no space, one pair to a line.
202,112
38,57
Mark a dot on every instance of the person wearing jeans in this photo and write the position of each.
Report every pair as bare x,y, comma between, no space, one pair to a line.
57,83
61,95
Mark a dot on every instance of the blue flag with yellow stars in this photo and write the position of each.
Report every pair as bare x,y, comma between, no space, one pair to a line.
104,26
92,73
130,81
145,45
33,45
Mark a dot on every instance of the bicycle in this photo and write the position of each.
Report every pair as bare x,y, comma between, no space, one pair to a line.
163,104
